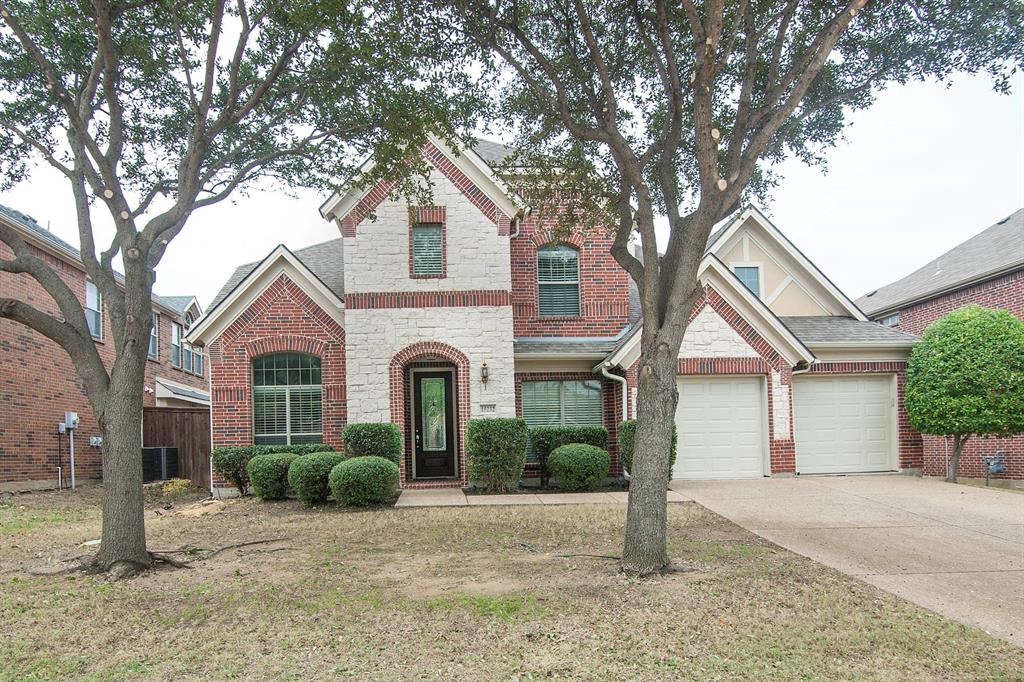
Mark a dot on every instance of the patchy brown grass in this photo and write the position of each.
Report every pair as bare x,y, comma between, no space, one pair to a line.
457,593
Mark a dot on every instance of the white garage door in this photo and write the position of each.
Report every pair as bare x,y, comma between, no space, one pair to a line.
720,428
843,424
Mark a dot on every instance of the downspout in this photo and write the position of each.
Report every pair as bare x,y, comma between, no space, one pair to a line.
621,380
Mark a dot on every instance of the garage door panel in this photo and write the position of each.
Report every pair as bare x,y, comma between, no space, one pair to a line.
720,427
843,425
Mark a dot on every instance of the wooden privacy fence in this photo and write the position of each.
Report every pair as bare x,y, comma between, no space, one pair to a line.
188,430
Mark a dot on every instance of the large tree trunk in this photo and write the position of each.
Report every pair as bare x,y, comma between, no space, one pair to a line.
959,442
645,552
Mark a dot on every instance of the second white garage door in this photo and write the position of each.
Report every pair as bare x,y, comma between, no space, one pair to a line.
720,426
843,425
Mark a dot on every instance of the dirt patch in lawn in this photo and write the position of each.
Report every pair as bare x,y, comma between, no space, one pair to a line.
453,594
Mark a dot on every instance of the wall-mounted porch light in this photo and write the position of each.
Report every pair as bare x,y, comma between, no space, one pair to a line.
484,373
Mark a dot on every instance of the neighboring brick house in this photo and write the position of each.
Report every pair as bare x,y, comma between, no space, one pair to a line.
38,382
428,316
987,270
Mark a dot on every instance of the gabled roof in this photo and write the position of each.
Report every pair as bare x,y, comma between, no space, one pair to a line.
722,235
823,331
475,165
993,252
323,259
252,284
39,234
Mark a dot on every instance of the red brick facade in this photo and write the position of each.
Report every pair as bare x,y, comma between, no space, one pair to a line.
282,319
604,285
1006,292
38,383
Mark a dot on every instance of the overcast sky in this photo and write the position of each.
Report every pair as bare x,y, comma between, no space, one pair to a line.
923,170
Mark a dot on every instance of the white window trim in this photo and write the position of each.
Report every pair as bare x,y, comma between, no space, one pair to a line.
760,274
99,302
154,333
579,288
891,320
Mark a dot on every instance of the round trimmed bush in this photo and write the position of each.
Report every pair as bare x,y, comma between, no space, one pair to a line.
231,463
308,476
373,440
579,466
361,481
627,443
269,475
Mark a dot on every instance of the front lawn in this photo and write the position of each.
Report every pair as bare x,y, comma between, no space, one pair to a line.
454,593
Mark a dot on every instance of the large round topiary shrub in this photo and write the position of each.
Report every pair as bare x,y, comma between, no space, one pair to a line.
308,476
269,475
579,466
232,462
545,439
373,440
496,450
364,480
627,444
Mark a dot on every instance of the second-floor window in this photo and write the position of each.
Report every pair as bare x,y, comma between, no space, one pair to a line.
175,344
750,275
94,310
427,250
558,281
154,337
890,320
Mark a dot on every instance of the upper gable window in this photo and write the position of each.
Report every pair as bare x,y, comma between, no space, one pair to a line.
94,310
750,275
427,250
558,281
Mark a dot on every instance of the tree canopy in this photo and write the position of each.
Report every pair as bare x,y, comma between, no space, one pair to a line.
966,375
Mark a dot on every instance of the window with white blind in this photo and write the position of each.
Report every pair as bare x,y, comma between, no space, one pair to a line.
287,402
94,310
154,336
175,344
427,250
562,403
558,281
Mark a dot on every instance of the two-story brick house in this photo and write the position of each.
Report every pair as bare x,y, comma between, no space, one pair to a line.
38,382
428,316
986,270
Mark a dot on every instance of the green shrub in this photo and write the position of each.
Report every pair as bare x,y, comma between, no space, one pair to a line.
546,438
232,464
496,450
627,439
308,476
579,466
269,474
373,440
364,480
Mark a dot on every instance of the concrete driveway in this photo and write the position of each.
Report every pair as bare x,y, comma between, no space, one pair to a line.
954,549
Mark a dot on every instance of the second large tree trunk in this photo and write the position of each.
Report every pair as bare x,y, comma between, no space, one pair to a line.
645,551
954,462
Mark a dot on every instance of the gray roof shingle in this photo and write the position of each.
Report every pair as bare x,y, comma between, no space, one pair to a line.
596,346
995,250
826,329
323,259
29,224
492,152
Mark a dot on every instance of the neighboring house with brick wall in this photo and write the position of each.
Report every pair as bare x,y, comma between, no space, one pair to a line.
38,382
986,270
428,316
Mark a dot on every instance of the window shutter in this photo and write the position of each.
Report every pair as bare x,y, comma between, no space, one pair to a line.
270,412
558,281
427,250
305,410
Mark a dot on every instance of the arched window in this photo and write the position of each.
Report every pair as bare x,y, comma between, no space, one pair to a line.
287,406
558,281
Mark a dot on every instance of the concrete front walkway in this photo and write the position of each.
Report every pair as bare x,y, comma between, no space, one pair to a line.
954,549
453,497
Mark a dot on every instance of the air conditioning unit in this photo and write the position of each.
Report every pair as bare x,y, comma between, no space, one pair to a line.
159,464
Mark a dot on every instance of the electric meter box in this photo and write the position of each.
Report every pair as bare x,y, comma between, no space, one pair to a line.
71,420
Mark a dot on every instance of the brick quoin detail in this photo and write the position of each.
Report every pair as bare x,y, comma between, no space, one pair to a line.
426,299
365,207
1006,292
910,443
398,373
420,215
611,396
604,285
38,381
282,319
